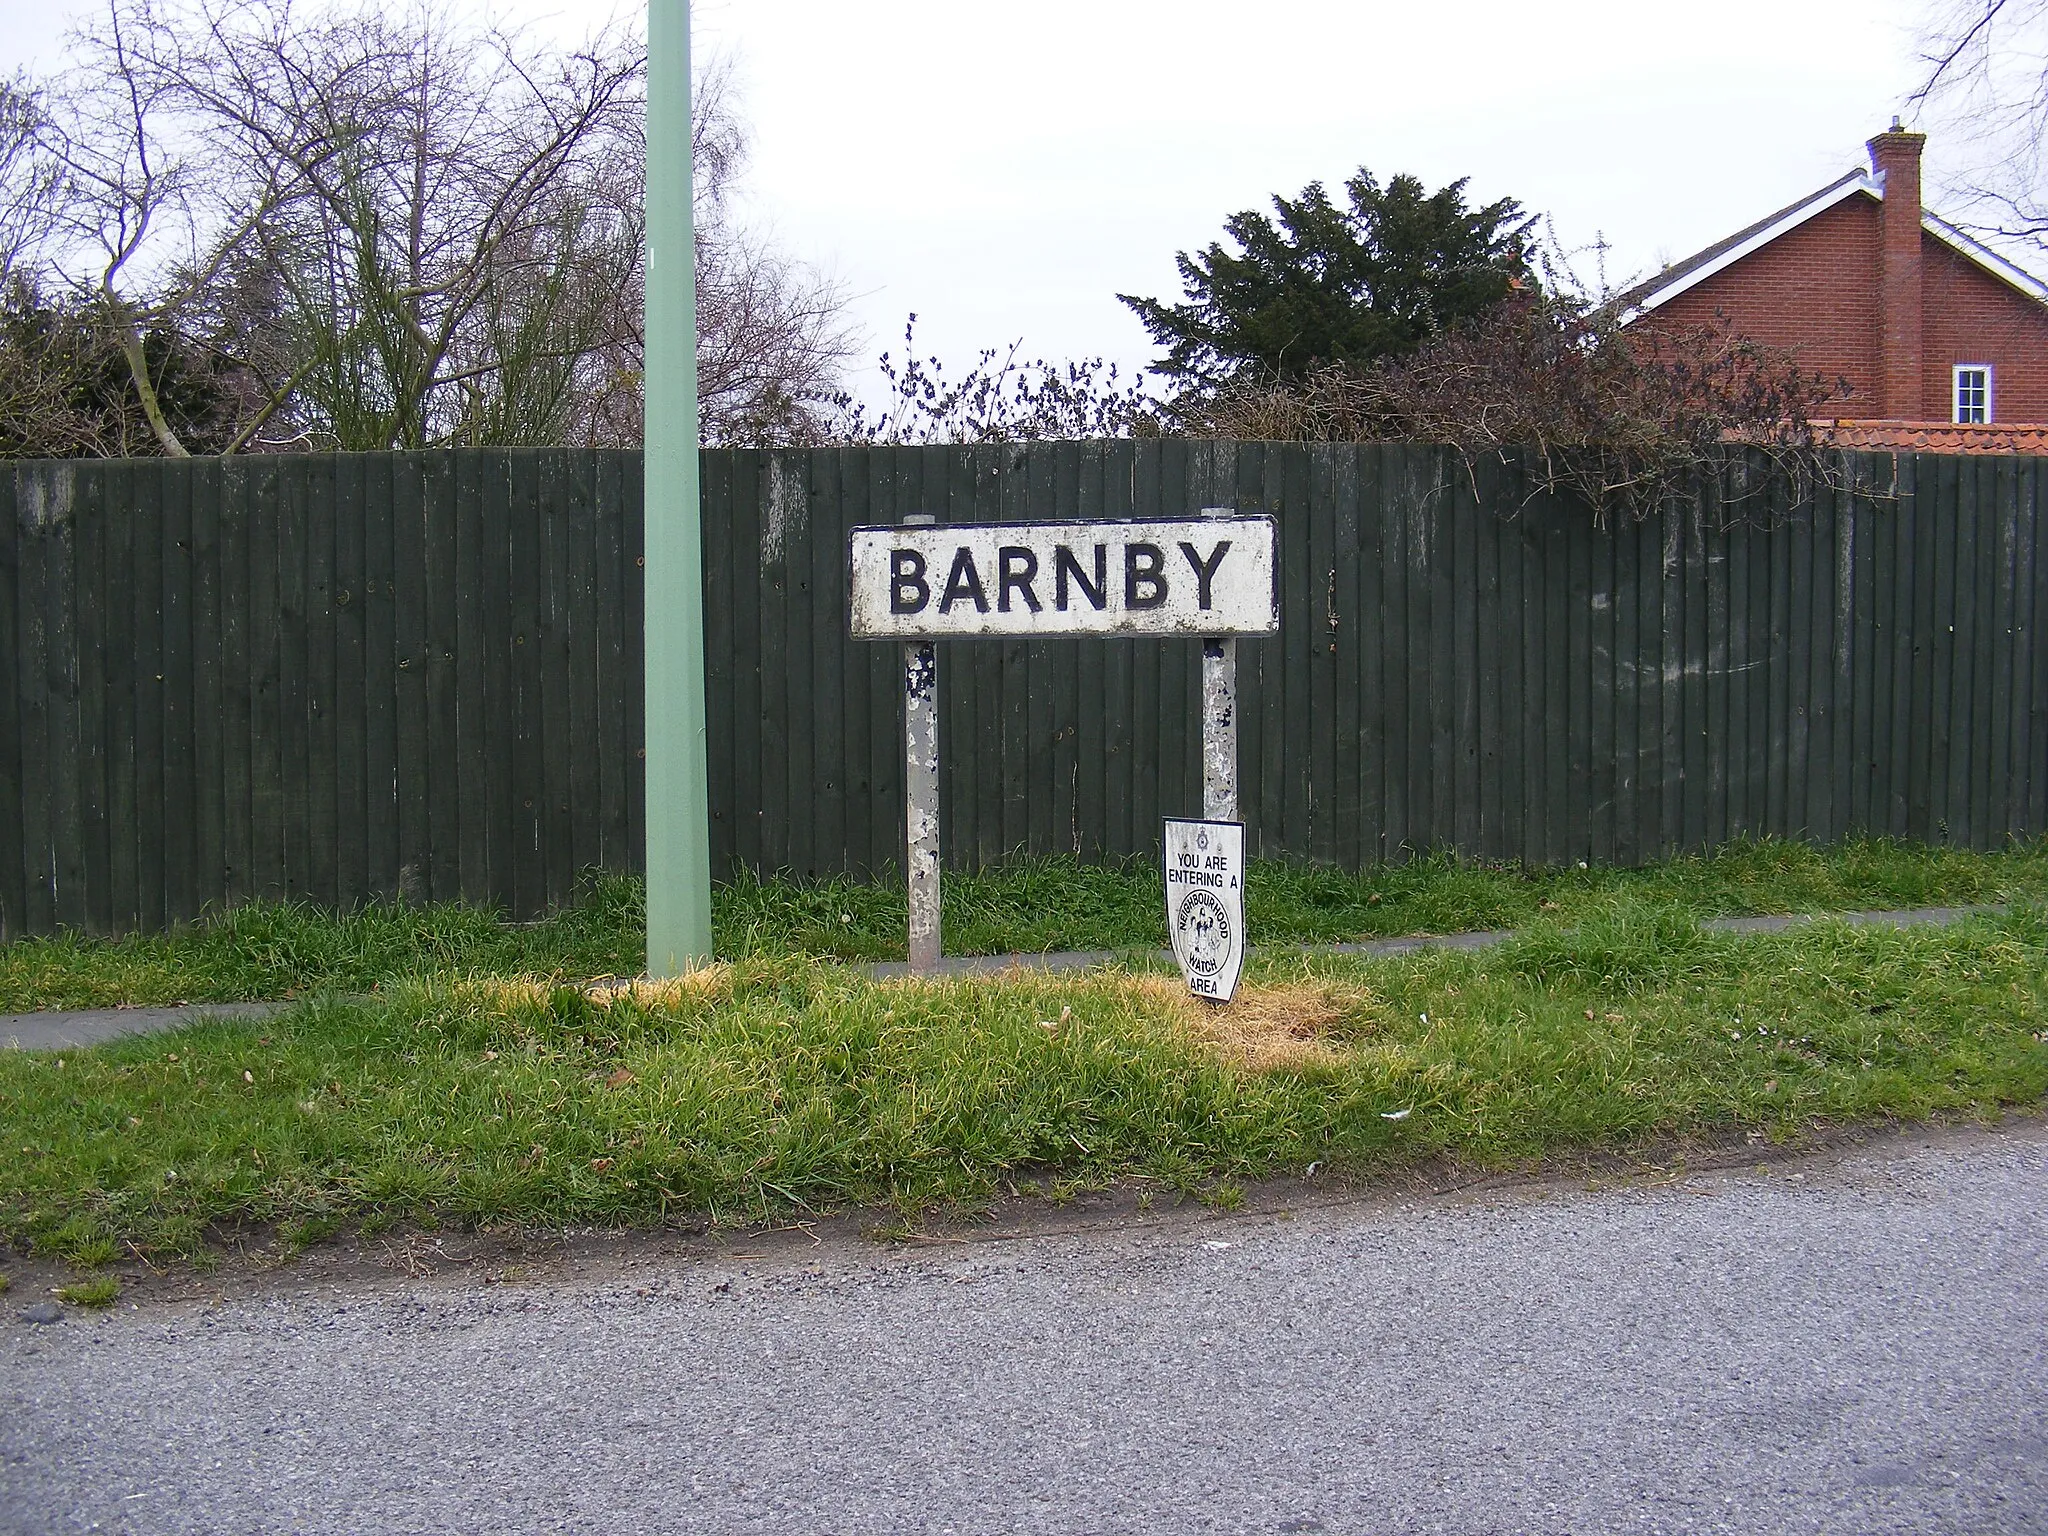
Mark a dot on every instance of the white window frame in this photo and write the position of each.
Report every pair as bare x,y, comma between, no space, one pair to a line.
1955,390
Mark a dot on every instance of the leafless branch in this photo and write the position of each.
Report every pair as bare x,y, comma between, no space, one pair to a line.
388,227
1968,28
1985,91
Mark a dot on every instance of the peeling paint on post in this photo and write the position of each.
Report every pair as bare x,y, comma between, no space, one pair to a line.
921,790
1219,729
1219,718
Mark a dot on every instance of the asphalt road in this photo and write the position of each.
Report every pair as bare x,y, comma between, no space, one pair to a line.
1853,1346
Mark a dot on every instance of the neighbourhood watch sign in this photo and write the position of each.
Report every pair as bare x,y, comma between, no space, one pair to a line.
1205,903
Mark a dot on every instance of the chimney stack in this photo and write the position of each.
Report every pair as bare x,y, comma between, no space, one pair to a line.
1895,157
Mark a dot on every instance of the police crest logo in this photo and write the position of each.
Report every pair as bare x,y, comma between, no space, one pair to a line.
1204,932
1204,871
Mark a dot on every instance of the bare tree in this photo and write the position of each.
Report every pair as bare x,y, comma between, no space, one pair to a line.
31,181
998,398
146,204
32,394
439,230
66,374
394,228
772,336
1986,80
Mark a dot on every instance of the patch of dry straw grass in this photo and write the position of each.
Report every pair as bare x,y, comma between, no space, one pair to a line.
1286,1027
707,984
1289,1026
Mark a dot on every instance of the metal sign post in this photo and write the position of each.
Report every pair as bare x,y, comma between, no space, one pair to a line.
1219,728
1219,718
921,789
678,775
1208,578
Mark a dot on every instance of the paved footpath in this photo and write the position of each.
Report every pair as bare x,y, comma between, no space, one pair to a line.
63,1031
1852,1345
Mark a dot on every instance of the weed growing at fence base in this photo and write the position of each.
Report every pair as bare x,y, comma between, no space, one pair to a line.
265,951
770,1085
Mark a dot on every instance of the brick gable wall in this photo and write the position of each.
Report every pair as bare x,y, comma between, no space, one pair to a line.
1971,317
1815,290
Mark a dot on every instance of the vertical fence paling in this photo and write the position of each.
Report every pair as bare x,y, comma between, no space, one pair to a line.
356,676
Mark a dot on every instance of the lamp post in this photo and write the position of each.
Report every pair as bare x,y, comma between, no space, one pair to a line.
678,800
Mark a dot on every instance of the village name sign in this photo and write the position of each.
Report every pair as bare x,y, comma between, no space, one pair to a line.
1213,577
1200,577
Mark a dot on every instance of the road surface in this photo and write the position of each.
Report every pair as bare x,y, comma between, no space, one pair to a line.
1852,1345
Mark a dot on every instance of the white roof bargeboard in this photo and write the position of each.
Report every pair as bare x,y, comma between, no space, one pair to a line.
1696,269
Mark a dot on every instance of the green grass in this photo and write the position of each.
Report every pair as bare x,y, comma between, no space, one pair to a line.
277,951
1039,905
98,1291
270,950
787,1084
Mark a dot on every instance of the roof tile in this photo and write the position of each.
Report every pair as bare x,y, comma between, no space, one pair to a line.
1935,436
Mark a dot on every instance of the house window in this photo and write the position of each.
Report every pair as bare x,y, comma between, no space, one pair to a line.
1973,392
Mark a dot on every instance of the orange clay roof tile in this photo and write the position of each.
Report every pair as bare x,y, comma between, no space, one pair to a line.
1935,436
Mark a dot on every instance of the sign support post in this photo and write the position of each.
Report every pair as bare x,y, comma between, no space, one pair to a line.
677,777
1208,578
1219,718
921,788
1219,728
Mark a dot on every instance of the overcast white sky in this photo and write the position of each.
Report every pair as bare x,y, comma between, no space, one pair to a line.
1005,170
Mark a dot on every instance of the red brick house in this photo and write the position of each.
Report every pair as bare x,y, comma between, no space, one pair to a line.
1944,343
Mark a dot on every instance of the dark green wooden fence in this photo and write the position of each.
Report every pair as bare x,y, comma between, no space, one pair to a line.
338,677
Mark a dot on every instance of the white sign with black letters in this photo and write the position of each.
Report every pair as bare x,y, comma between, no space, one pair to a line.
1194,576
1205,903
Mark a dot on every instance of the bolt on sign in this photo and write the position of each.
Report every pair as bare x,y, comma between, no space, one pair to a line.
1205,903
1211,577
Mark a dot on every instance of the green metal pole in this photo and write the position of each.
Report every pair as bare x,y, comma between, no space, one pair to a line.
678,798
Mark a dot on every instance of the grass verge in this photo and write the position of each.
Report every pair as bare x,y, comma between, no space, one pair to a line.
95,1292
768,1085
278,951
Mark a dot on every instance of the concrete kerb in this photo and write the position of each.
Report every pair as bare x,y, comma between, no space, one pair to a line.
68,1030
